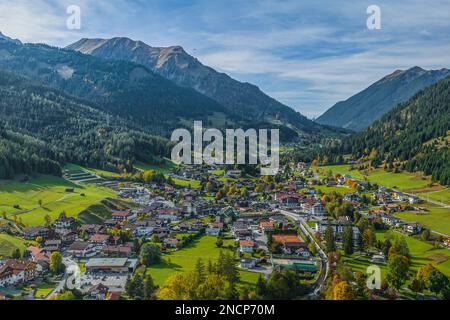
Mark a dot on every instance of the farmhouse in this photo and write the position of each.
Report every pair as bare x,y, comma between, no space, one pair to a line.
246,246
17,271
64,223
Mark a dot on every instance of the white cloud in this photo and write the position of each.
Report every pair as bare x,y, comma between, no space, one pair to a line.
308,55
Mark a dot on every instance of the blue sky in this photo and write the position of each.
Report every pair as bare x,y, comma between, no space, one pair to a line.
307,54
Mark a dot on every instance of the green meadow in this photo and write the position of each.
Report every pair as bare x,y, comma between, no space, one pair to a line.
403,181
184,260
436,218
8,244
441,195
422,253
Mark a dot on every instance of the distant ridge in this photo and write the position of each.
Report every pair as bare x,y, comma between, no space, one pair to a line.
364,108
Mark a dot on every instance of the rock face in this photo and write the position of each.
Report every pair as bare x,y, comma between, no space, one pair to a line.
242,99
364,108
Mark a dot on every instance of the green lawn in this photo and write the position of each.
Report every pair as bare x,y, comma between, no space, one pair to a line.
441,196
185,259
167,167
9,243
402,181
437,218
51,191
43,290
422,253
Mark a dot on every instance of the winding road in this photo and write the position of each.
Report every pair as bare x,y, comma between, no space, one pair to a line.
322,255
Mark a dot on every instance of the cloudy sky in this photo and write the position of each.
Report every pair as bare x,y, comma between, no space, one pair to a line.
307,54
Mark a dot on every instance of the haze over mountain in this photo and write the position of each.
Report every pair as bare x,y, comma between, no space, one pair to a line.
173,63
369,105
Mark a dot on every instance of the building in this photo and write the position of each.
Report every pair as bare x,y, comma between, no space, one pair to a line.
98,292
248,263
111,265
64,223
338,228
413,227
291,243
214,229
81,250
318,209
99,240
121,216
266,226
120,251
246,246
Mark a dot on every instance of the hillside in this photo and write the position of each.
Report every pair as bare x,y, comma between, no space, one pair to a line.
121,88
362,109
42,128
241,99
413,136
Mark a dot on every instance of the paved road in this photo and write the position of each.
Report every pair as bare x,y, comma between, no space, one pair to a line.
70,264
323,257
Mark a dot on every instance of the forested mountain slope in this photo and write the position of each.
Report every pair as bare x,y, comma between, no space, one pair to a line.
415,136
42,128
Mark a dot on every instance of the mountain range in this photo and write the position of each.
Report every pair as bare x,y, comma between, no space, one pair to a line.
59,105
244,100
369,105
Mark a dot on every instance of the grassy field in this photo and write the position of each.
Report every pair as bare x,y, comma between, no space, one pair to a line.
167,167
185,259
441,195
338,189
437,218
52,192
422,253
341,169
402,181
43,290
9,243
185,183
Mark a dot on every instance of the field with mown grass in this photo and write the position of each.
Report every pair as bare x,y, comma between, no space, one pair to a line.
52,192
43,290
402,181
167,167
185,259
436,218
422,253
441,196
